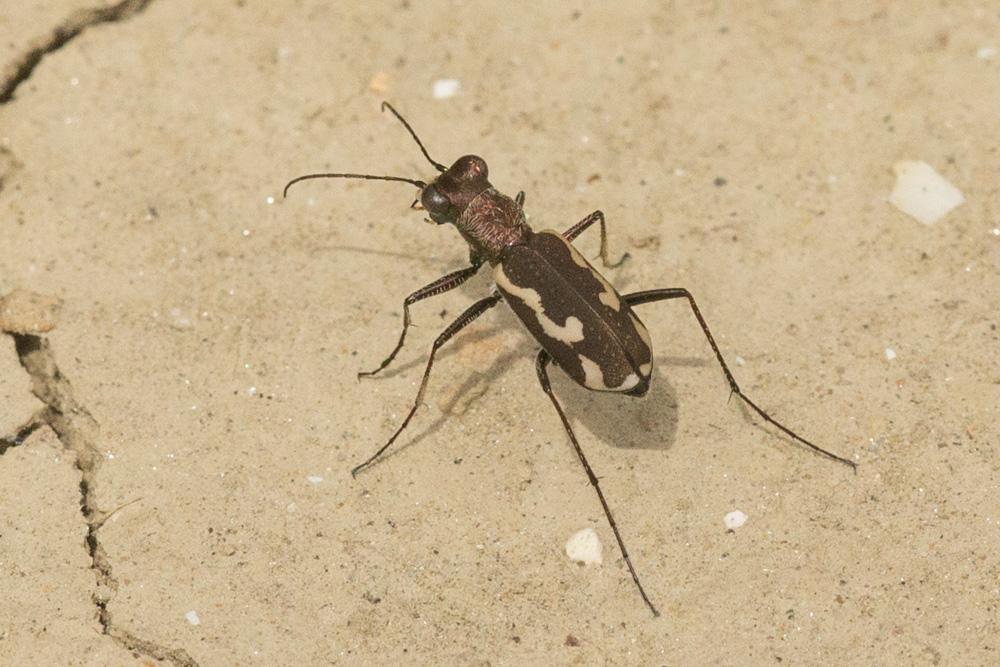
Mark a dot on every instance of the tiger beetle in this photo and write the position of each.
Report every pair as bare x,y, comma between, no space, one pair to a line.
582,324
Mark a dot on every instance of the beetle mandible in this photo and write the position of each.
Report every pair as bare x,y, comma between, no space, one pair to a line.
582,324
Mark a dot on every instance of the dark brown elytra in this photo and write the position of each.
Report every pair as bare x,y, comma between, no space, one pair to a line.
581,322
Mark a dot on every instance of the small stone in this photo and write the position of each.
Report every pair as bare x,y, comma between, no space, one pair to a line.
734,519
192,617
922,193
26,312
890,354
584,546
445,88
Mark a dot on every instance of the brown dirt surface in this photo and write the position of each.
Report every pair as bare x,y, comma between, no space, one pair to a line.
176,452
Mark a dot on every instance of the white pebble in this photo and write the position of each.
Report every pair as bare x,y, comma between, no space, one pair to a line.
314,479
445,88
584,546
986,52
922,193
734,519
192,617
890,353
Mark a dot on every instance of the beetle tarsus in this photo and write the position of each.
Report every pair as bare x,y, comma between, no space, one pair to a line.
581,227
621,261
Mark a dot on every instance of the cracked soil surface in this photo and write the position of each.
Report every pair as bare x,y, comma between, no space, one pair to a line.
175,453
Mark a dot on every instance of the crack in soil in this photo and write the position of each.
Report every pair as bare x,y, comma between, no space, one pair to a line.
21,69
77,429
37,420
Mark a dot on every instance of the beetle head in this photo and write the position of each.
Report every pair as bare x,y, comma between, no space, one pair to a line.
447,197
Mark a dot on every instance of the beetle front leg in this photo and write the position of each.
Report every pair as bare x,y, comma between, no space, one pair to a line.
439,286
580,227
649,296
542,361
466,318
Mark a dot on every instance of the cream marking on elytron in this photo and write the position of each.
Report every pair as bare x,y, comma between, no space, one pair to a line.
595,377
569,333
630,381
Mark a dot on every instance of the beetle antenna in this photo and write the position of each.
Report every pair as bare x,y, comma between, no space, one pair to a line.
369,177
437,165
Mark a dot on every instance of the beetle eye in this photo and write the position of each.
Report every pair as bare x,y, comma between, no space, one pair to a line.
435,202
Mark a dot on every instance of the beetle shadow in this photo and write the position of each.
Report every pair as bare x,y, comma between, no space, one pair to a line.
626,422
622,421
473,389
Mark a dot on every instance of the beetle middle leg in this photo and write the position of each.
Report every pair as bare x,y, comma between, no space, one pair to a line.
542,361
466,318
439,286
650,296
580,227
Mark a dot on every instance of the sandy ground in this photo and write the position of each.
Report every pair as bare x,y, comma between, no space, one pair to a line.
210,335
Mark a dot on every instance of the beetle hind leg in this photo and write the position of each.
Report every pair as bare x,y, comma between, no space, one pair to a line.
650,296
541,363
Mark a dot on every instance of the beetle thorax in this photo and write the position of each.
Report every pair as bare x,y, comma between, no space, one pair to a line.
491,223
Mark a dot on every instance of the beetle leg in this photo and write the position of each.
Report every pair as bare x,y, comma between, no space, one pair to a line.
541,362
519,199
439,286
649,296
580,227
466,318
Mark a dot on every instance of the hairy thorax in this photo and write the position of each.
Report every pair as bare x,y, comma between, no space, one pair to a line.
491,223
